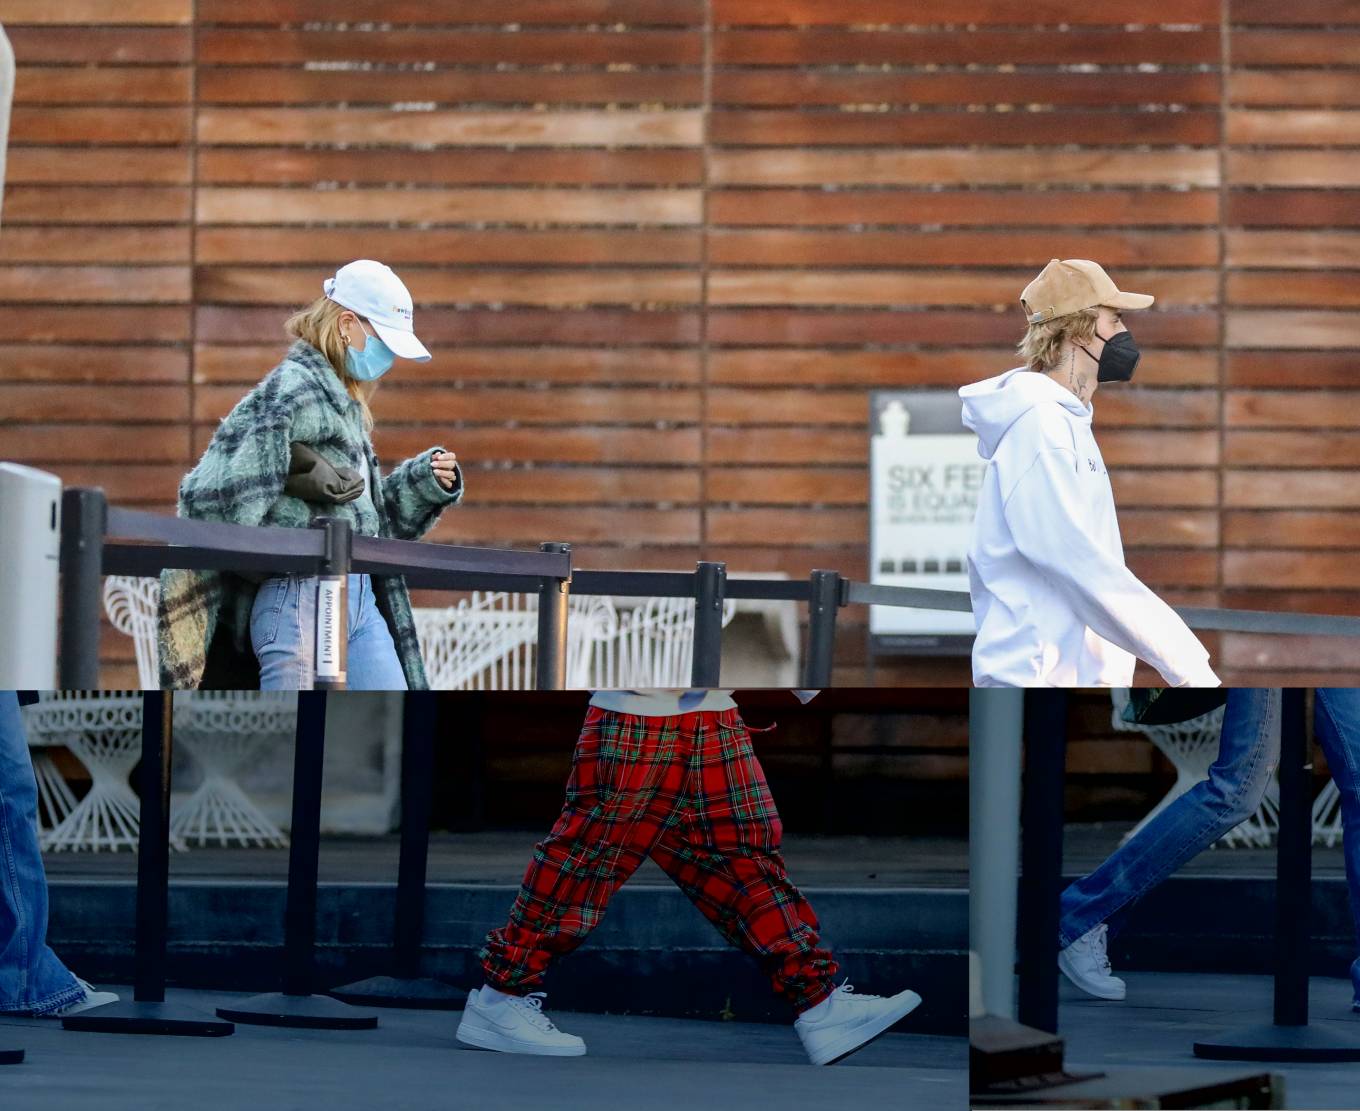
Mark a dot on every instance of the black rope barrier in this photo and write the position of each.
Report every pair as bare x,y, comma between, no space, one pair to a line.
148,1012
406,987
297,1005
101,539
1290,1036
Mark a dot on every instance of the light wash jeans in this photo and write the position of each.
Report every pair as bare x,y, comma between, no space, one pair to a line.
283,632
32,979
1336,717
1248,750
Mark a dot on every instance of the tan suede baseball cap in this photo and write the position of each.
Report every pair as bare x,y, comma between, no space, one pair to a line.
1073,284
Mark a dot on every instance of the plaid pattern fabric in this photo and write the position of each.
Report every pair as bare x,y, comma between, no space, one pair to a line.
689,792
240,479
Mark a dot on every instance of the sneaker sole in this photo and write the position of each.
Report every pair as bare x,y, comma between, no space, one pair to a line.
856,1039
499,1043
1110,997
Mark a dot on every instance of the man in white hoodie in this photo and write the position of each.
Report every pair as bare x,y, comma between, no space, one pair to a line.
1053,602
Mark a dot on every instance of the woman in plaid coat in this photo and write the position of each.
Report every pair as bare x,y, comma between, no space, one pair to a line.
310,417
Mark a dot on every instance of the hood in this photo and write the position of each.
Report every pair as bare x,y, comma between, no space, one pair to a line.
991,406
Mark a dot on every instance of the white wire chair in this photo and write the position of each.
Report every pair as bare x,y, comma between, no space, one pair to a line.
488,642
55,798
653,646
1192,747
104,731
131,605
225,731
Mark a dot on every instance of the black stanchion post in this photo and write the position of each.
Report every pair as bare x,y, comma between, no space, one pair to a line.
710,585
148,1013
296,1005
84,514
1041,824
824,603
1293,884
332,605
1290,1037
407,988
553,596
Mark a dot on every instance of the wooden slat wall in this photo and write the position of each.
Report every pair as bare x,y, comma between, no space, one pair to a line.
1292,334
663,248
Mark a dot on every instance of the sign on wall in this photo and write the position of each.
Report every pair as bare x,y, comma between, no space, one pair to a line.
924,479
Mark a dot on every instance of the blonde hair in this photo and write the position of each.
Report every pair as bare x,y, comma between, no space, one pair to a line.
1043,342
319,325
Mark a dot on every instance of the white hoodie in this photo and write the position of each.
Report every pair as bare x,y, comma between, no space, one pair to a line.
1053,602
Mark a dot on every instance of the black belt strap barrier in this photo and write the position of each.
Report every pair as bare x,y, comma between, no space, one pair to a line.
87,552
407,988
1041,825
553,598
296,1005
83,513
148,1012
710,582
824,603
1290,1037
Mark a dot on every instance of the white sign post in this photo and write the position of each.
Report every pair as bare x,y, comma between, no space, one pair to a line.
925,475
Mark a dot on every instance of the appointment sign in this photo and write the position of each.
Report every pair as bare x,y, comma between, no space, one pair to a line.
924,479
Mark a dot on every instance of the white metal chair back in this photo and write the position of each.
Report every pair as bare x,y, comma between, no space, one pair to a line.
488,641
104,731
131,605
653,646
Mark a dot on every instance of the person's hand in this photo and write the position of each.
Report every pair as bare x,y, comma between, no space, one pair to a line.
445,467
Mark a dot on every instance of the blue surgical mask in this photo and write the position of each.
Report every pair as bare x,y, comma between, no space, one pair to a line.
372,362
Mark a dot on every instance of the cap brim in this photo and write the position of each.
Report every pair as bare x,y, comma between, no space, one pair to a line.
403,344
1129,301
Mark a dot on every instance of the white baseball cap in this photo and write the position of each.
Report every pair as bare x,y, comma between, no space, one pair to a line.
378,295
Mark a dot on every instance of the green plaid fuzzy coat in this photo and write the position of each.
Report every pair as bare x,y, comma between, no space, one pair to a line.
204,619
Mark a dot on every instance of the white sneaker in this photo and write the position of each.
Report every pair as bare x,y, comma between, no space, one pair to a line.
844,1022
92,1000
514,1024
1085,963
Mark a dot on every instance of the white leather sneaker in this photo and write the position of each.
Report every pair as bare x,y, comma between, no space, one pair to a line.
1086,964
844,1022
92,1000
514,1024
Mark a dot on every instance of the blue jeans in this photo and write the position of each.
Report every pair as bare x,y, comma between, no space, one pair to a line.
283,634
1248,750
1336,718
32,979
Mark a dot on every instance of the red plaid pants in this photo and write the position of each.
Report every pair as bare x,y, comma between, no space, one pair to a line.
689,792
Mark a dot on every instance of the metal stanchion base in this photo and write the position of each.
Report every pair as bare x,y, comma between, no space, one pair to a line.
11,1056
392,991
1318,1041
131,1017
313,1012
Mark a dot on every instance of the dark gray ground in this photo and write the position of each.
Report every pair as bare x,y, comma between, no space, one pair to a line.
1166,1013
412,1062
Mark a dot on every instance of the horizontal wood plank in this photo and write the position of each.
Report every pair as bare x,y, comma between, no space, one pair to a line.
384,127
956,167
143,86
983,12
945,208
218,46
449,206
449,166
531,12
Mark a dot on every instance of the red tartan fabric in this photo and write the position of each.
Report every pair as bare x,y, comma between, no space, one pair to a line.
689,792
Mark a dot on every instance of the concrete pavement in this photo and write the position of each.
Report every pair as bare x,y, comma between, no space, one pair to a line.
412,1061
